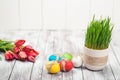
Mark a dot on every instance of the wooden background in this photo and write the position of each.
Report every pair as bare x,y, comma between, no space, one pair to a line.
55,14
57,41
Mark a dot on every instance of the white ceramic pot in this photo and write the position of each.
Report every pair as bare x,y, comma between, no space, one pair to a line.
95,59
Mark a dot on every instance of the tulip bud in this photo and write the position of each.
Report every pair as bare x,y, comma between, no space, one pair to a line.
33,53
16,49
27,48
22,55
9,55
19,43
31,58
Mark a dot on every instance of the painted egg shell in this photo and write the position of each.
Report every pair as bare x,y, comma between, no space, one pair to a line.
55,57
66,65
77,61
67,56
53,67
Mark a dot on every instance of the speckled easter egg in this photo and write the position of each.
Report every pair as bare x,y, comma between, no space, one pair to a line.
77,61
66,65
53,67
67,56
55,57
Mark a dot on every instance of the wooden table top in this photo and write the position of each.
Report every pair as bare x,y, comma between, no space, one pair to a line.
50,42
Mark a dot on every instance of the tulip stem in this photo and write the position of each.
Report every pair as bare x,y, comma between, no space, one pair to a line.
0,59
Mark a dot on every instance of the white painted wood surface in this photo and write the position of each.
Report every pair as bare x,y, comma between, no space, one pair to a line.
51,42
9,14
30,14
55,14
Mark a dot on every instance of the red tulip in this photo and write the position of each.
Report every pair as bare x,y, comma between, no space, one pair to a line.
17,49
9,55
19,43
27,48
16,56
31,58
6,56
33,53
22,55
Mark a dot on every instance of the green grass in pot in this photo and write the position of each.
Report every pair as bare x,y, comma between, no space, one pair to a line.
98,34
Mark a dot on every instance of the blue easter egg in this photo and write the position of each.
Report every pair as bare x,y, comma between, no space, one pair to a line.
52,57
59,59
55,57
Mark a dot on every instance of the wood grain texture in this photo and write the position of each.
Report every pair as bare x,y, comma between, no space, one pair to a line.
9,14
30,14
5,68
115,66
77,14
54,14
41,47
53,42
48,51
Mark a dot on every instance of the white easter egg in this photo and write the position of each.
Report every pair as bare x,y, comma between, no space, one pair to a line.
77,61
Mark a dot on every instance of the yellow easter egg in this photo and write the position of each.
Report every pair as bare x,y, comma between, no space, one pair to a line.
53,67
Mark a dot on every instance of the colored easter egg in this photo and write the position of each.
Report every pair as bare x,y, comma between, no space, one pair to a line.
67,56
77,61
53,67
55,57
66,65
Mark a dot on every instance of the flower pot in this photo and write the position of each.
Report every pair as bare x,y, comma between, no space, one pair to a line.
95,59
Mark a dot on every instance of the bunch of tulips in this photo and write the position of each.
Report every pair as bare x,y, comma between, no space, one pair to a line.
21,52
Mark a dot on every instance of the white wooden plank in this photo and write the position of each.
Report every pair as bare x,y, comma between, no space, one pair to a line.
30,14
115,44
5,68
115,66
9,14
102,75
77,74
54,14
67,43
58,42
115,39
87,74
22,70
116,14
77,14
48,51
41,47
68,75
116,50
101,8
107,73
57,76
